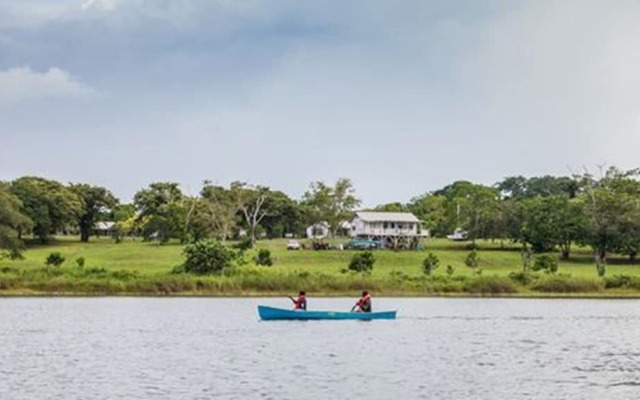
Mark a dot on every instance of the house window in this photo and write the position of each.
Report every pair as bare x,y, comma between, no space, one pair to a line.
400,226
393,225
385,225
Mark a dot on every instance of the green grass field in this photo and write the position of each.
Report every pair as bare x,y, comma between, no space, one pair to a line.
136,267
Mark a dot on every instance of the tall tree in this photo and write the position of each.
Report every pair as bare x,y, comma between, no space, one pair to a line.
12,222
431,210
332,204
50,205
97,202
161,211
471,207
552,221
250,201
218,210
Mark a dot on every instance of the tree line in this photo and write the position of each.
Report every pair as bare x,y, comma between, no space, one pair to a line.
544,214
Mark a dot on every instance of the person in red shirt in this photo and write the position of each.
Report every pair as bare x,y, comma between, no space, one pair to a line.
301,302
364,303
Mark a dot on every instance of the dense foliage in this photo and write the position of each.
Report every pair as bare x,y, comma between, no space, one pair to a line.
208,256
544,214
362,262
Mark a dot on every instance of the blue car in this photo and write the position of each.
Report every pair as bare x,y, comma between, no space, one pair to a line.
364,244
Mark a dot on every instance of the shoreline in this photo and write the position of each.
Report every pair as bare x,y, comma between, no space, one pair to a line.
559,296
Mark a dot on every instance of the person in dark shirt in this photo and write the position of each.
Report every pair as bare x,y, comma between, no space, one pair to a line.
301,302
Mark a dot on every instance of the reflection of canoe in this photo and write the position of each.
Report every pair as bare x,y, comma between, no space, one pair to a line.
271,313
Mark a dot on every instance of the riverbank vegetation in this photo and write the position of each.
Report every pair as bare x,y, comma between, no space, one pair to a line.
525,236
135,267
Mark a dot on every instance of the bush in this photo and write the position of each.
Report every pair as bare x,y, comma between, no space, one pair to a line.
601,267
545,262
565,284
472,259
622,282
362,262
430,263
208,257
450,270
523,278
490,285
56,259
244,244
80,262
264,258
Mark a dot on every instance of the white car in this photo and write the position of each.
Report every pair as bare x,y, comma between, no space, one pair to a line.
293,245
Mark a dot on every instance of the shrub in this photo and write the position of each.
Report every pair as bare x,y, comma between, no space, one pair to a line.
564,284
545,262
208,257
244,244
472,259
80,262
622,281
450,270
264,258
362,262
430,263
490,285
523,278
601,267
56,259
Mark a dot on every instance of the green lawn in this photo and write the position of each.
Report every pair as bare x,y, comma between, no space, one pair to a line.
105,262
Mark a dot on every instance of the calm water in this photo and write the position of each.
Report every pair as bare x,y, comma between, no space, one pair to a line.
149,348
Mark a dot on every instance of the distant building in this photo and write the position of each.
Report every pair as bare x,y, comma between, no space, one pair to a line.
104,228
393,229
318,231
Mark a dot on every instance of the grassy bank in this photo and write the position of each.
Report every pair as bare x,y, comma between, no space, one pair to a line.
137,268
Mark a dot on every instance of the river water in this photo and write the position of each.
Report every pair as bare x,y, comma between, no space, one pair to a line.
201,348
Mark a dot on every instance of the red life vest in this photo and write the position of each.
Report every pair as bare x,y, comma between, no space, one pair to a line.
300,303
365,302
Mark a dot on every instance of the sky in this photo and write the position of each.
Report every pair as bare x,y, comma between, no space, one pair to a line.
401,97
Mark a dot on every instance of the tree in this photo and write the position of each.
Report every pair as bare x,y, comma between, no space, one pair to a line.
519,187
431,210
391,207
50,205
12,221
218,210
249,201
161,211
208,257
97,202
282,215
612,207
552,221
330,204
471,207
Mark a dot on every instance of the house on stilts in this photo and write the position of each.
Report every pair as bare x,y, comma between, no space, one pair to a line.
395,230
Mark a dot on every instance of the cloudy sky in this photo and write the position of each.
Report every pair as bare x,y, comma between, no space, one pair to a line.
401,97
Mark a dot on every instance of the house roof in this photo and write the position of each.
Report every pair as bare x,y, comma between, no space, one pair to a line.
104,225
377,216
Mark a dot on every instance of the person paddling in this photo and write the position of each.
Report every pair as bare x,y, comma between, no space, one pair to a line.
301,302
364,303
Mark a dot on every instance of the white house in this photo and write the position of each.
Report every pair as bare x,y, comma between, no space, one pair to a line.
105,228
318,231
394,229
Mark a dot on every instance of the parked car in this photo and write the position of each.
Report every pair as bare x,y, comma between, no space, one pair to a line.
458,235
364,244
293,245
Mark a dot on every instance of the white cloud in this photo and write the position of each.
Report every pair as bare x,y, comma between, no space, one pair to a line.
99,4
22,84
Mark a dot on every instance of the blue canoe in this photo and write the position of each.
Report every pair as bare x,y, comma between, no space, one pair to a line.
271,313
